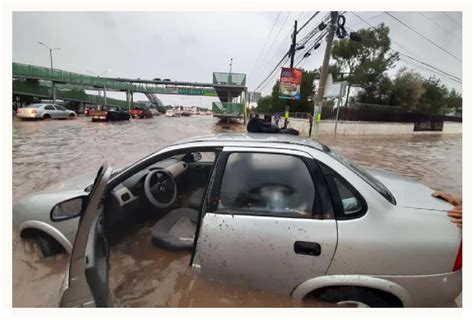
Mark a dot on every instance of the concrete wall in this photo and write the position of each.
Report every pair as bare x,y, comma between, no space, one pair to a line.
362,127
452,127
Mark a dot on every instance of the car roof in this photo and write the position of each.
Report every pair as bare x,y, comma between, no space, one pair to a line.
257,138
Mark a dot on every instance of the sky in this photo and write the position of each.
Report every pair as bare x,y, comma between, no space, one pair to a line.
189,46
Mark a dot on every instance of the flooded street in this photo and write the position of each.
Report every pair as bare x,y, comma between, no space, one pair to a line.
46,152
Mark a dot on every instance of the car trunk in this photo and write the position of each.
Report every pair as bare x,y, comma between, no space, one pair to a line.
26,111
409,193
136,112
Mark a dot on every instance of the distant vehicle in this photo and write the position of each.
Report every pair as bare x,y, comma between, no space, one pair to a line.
141,113
167,80
186,114
156,79
45,111
154,111
170,113
106,113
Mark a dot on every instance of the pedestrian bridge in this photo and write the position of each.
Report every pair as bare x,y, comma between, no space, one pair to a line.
44,82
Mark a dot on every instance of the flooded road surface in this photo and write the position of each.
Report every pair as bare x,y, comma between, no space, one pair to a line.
46,152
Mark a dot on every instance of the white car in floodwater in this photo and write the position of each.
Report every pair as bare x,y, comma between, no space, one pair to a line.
45,111
169,113
271,211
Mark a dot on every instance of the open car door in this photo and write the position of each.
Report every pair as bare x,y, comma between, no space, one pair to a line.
88,265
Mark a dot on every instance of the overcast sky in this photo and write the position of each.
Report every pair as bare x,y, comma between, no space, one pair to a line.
189,46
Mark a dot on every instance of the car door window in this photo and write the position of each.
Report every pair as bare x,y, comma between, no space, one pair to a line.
60,108
266,184
49,108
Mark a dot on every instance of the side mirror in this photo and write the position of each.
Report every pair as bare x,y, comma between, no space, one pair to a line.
196,156
68,209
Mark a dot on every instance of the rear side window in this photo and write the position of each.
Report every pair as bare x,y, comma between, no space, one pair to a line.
266,184
49,108
347,201
60,108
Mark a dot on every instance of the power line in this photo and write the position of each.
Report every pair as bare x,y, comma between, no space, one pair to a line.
453,20
408,56
373,27
274,77
309,20
376,16
307,37
263,48
430,66
421,35
312,45
426,69
282,61
436,23
259,70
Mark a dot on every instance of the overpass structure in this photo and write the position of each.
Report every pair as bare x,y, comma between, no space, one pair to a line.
30,80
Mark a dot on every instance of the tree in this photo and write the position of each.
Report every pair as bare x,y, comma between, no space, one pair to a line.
365,62
264,104
277,105
454,101
407,88
434,98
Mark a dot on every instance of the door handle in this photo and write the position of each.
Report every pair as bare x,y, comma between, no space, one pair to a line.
307,248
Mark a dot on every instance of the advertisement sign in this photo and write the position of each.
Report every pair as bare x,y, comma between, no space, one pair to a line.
254,96
290,82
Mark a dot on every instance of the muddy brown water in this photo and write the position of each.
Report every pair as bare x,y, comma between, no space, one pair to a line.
46,152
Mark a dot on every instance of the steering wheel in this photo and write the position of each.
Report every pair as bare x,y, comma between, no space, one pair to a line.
159,183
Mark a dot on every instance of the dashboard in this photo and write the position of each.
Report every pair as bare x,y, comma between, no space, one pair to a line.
133,188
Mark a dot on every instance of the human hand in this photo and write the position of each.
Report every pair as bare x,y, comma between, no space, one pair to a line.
455,201
456,215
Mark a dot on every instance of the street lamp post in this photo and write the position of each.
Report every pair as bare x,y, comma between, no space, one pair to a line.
51,61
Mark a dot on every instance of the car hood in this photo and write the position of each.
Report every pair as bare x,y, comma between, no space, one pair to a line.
408,192
75,183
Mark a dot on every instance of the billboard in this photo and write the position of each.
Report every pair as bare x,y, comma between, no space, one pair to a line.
290,82
254,96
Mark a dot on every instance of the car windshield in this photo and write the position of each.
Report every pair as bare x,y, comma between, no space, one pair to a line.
367,177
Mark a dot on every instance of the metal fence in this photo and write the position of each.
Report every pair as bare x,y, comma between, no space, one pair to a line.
237,79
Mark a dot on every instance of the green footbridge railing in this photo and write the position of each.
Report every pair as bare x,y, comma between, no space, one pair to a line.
66,93
25,71
228,109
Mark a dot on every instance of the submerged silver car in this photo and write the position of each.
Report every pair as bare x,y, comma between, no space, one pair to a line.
274,212
45,111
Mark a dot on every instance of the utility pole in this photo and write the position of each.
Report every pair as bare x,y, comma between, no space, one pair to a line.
51,61
324,74
292,61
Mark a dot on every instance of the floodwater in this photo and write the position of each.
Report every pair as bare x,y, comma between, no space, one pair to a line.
46,152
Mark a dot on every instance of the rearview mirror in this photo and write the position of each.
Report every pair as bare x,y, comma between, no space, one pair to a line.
68,209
